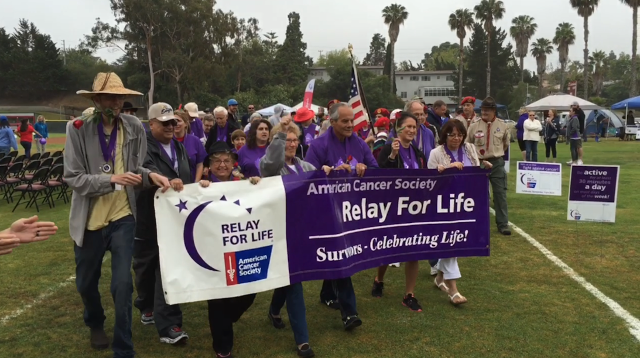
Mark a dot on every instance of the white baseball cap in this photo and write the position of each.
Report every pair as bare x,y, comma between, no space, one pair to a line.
192,108
162,112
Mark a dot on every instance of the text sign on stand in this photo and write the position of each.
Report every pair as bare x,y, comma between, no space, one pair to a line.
539,178
593,193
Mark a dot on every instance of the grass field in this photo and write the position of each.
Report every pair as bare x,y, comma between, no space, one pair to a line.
520,303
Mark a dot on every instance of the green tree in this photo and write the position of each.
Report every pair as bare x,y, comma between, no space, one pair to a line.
292,63
634,4
522,30
599,65
394,15
388,66
460,21
540,49
565,37
585,9
377,51
487,12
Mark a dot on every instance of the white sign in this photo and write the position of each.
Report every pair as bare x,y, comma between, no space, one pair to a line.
215,245
539,178
593,193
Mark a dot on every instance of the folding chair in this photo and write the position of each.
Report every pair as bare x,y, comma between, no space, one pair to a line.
20,159
3,186
5,160
2,155
34,156
13,154
29,170
33,188
58,161
53,183
12,179
45,155
46,163
57,154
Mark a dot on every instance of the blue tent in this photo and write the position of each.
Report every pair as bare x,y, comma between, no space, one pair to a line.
479,103
630,103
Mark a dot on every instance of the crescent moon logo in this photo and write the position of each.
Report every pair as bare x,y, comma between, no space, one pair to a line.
522,179
189,239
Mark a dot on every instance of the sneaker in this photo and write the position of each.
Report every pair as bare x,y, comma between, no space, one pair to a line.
580,162
412,303
227,355
376,290
505,231
99,340
276,322
331,304
174,336
305,351
147,319
434,271
351,322
397,264
570,162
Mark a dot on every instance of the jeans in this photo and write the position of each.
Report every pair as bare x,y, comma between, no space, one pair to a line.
117,237
550,147
40,147
294,297
5,150
146,266
223,313
27,149
342,291
532,150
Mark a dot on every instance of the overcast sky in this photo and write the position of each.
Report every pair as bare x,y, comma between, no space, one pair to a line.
333,24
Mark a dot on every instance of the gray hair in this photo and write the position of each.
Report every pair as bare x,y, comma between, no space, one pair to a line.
407,107
333,112
254,116
222,110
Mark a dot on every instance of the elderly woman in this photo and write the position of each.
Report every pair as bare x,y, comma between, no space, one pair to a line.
278,112
249,156
531,136
254,117
222,129
280,159
452,152
195,150
224,312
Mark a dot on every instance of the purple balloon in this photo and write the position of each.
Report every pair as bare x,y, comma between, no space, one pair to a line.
43,141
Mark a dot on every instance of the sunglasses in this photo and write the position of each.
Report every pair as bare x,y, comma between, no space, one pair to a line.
170,123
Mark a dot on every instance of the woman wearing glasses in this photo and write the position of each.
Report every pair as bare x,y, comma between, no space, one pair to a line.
452,152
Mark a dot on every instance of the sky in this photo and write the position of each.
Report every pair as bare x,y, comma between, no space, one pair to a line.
333,24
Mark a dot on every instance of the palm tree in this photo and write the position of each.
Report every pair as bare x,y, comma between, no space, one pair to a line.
394,15
486,12
565,37
522,30
540,49
634,4
598,62
460,21
585,9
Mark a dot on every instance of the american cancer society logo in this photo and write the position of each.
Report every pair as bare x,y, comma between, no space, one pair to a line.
575,214
247,265
528,180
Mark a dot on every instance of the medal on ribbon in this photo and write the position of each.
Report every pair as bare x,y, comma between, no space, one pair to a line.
108,150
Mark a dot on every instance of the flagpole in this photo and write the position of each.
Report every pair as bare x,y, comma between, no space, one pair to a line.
361,91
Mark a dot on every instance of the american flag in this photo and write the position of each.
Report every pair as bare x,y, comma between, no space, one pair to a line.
361,118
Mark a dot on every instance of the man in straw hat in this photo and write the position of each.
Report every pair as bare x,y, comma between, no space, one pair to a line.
103,160
491,138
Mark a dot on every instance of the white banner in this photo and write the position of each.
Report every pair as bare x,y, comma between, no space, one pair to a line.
539,178
222,241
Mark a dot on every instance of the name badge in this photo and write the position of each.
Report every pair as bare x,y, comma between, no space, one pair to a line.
118,187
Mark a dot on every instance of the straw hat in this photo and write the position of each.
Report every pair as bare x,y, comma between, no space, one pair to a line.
89,111
107,83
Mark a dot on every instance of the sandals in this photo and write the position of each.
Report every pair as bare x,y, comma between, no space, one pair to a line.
442,286
457,294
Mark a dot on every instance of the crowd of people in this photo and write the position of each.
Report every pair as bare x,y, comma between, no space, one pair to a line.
114,167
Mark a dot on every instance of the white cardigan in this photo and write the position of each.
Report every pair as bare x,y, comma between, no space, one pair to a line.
532,130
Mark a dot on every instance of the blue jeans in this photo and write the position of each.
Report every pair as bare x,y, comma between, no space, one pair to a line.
5,150
117,237
294,296
532,150
340,290
27,149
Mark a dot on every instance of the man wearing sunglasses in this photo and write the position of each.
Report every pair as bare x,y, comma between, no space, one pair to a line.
245,118
165,155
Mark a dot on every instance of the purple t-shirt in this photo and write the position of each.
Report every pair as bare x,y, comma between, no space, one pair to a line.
197,129
249,160
195,152
328,150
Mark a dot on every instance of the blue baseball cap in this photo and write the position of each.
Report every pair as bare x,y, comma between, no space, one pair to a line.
232,102
4,118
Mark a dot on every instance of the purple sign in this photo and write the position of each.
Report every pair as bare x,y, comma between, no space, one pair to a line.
592,183
540,167
342,224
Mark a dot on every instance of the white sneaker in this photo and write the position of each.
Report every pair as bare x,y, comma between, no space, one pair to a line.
434,271
580,162
397,264
570,162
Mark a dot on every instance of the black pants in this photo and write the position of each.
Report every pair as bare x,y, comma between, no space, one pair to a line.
146,266
342,291
27,149
550,146
223,313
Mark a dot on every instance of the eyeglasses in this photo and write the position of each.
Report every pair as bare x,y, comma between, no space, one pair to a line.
219,162
170,123
453,135
293,141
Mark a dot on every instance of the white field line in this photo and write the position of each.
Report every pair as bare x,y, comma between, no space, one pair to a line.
43,296
632,322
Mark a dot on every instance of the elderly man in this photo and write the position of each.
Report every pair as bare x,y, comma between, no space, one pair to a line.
221,131
103,161
341,149
436,116
197,129
491,138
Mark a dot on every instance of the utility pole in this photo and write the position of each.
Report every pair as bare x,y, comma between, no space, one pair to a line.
320,51
64,53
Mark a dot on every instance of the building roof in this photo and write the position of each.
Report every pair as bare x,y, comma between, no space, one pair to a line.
425,73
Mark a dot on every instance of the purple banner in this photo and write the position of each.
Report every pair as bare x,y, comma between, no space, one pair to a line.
541,167
343,224
592,183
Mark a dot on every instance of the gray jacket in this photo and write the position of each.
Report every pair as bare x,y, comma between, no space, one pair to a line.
573,128
83,168
272,164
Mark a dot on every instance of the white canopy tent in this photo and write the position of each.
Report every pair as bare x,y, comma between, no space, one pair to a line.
314,108
560,102
269,110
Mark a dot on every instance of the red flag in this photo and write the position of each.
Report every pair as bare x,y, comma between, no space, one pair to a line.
308,94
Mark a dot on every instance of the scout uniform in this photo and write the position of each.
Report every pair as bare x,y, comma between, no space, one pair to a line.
462,117
491,139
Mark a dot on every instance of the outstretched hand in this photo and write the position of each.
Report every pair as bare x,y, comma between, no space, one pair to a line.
31,230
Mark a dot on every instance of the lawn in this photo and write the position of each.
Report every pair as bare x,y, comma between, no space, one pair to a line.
520,303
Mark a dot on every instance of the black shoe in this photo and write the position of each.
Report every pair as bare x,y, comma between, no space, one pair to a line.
99,339
505,231
376,290
174,335
276,322
331,304
412,303
305,351
351,322
220,355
